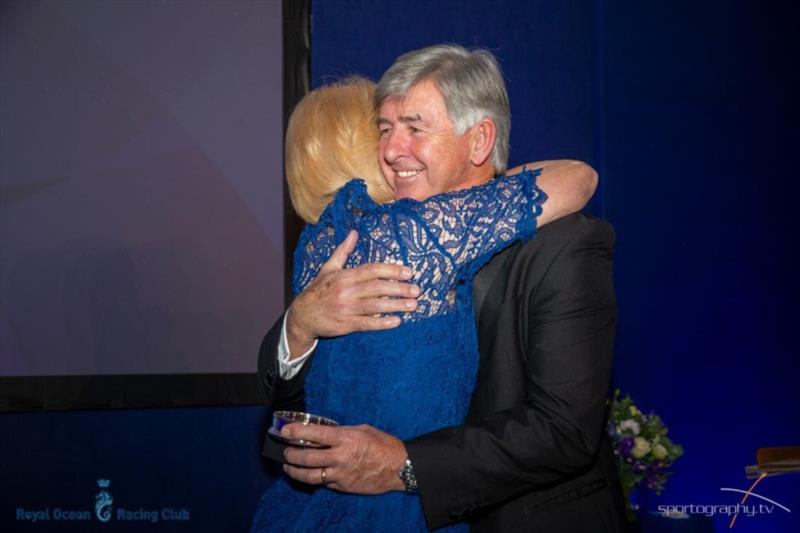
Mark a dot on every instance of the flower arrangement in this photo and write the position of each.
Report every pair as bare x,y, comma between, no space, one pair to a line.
644,451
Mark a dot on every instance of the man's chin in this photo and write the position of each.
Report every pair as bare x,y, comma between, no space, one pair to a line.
412,196
415,191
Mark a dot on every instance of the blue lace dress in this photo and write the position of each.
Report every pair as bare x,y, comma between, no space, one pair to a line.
418,377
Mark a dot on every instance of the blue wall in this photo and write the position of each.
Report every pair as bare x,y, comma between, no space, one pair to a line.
700,169
553,96
688,110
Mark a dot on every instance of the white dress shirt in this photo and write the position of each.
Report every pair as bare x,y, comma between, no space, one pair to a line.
288,369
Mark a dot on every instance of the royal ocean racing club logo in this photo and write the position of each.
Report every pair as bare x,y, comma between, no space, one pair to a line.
103,501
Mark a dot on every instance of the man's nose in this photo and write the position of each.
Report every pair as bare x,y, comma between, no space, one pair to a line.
395,145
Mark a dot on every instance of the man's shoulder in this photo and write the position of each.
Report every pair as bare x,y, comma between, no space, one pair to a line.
571,240
572,232
576,226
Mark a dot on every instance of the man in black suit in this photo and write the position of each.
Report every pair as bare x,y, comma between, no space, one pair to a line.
533,454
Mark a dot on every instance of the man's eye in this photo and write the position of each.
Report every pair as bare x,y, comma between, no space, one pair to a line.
384,131
413,129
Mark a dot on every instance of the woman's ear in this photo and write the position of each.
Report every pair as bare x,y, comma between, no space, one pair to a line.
484,134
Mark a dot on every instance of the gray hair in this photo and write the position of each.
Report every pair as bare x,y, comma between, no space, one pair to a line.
470,82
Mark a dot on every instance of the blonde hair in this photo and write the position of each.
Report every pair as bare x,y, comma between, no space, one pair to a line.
332,137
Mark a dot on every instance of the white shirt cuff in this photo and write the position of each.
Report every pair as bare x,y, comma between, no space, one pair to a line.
288,369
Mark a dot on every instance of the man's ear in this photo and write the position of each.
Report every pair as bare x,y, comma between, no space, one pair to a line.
484,134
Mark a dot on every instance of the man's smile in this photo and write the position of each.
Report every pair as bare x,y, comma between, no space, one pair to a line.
407,173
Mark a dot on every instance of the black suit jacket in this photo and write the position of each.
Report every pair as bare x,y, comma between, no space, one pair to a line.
533,454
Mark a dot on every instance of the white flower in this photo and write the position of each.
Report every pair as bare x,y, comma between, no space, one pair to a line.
659,452
631,425
641,447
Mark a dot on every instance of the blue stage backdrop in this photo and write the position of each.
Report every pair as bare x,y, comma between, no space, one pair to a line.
688,111
700,165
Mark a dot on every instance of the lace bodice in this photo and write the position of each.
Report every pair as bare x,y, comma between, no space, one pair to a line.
443,239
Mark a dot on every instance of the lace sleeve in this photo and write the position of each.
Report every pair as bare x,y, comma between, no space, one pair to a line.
315,246
482,220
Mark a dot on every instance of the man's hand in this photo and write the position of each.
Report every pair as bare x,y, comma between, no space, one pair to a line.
360,460
341,301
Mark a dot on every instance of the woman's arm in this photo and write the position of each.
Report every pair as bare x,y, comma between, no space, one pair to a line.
568,185
470,223
315,246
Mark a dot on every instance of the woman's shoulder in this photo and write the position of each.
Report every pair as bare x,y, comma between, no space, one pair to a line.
350,202
354,194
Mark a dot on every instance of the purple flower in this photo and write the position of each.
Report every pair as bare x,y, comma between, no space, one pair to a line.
625,446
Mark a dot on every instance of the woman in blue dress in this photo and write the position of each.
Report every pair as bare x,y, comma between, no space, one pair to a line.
418,377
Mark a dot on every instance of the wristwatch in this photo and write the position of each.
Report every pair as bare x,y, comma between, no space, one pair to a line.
406,475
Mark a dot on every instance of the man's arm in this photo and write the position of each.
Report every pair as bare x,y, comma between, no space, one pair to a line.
279,393
340,301
337,302
553,435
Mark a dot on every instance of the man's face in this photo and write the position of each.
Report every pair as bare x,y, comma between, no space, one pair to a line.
419,151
